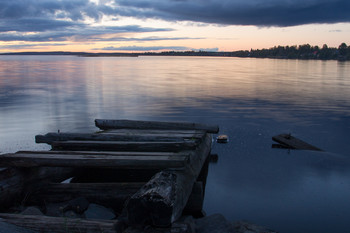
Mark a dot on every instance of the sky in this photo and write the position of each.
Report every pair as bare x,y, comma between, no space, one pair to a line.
180,25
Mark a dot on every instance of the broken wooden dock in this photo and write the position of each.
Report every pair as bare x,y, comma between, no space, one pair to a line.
149,173
290,142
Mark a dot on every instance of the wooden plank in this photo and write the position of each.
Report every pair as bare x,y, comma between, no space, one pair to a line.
58,224
161,201
155,132
112,153
52,137
293,143
124,146
100,161
130,124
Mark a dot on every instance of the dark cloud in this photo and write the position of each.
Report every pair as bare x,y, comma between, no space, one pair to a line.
69,31
60,20
146,48
34,25
72,9
49,20
249,12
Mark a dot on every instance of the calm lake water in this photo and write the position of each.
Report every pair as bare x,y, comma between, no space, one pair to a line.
250,99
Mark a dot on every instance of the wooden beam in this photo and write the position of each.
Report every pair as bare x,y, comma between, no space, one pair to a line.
124,146
100,161
58,224
161,201
129,124
185,133
293,143
111,153
126,136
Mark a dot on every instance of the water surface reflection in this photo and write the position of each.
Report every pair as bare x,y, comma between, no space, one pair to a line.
250,99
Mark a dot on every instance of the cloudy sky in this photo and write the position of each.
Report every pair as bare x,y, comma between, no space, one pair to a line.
156,25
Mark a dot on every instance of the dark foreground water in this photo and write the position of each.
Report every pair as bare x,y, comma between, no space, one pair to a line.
250,99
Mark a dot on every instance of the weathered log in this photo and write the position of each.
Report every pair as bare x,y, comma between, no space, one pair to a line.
58,224
129,124
293,142
107,161
161,201
120,136
124,146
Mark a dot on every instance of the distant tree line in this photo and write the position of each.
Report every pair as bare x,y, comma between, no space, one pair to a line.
305,51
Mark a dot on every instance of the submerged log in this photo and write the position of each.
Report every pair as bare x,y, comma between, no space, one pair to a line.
129,124
293,142
161,201
108,161
58,224
124,146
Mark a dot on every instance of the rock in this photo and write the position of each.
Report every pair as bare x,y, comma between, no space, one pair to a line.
9,228
99,212
185,224
246,227
72,214
55,209
78,205
31,210
215,223
222,138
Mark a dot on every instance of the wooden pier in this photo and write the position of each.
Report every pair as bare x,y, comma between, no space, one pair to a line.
149,173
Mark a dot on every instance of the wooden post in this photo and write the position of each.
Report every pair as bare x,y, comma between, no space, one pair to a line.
129,124
161,201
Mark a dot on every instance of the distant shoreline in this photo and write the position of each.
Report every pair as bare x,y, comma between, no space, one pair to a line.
302,52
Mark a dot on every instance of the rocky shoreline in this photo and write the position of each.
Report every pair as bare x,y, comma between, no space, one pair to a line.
215,223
